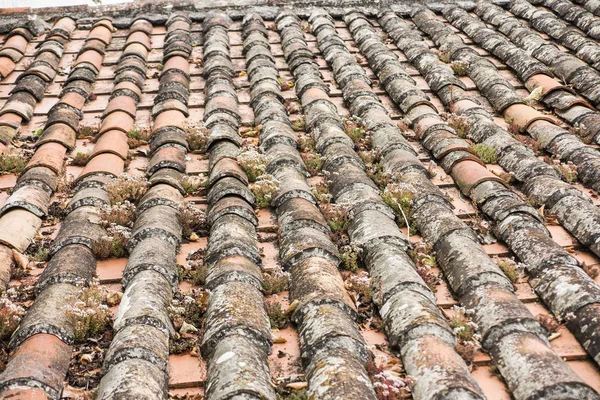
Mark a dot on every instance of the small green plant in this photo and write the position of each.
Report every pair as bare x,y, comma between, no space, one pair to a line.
578,130
126,188
264,189
459,68
369,156
10,316
250,131
313,162
530,142
253,163
350,257
276,281
118,214
444,57
277,316
285,84
196,135
321,192
42,254
464,329
80,159
293,394
377,173
189,308
424,262
306,143
510,270
88,312
37,132
195,273
193,221
399,197
138,136
191,185
486,153
112,245
459,123
336,215
12,163
299,125
567,170
354,129
87,131
462,325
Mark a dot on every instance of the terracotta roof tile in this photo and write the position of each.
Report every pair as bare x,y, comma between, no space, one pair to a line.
368,197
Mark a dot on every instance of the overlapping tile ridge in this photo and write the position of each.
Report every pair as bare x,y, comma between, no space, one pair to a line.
30,197
294,201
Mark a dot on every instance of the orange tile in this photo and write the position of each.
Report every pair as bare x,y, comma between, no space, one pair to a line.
186,371
111,270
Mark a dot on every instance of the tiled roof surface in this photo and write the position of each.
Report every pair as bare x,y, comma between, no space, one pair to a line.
334,204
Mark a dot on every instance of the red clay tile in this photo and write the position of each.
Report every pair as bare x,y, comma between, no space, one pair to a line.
66,23
588,371
141,25
106,163
7,181
114,142
121,103
50,155
491,384
101,33
469,174
59,133
547,83
523,115
424,123
18,227
42,357
314,94
177,62
137,49
106,22
26,393
169,118
111,270
463,105
6,66
15,10
141,38
73,99
119,120
91,57
128,85
6,264
186,370
10,119
16,42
